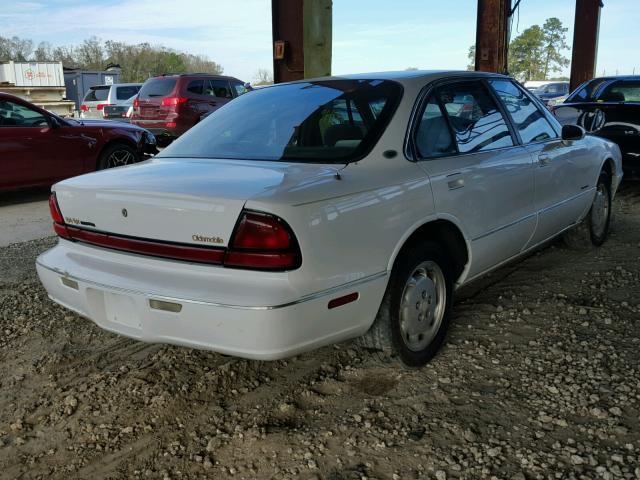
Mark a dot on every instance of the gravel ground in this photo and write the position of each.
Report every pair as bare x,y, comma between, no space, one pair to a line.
540,379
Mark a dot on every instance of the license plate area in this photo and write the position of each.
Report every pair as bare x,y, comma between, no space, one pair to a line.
122,310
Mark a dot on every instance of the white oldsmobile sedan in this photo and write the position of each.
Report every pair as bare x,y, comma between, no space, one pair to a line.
312,212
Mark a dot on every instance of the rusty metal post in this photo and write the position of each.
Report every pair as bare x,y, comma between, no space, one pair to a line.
301,28
585,41
492,35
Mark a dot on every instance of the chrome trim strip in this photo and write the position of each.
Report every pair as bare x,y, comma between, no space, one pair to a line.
496,230
566,200
153,296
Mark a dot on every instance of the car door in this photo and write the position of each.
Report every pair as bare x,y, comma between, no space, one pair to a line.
562,167
74,150
24,141
480,177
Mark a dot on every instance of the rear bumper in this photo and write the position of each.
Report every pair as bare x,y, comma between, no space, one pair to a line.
159,127
197,306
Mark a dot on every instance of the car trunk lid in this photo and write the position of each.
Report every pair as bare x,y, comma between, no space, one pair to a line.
194,202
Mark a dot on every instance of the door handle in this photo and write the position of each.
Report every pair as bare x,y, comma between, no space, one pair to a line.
455,183
544,159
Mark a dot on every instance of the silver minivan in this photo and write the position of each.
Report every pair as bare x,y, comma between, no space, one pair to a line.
100,96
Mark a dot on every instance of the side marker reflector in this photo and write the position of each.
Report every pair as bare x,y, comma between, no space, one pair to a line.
165,306
69,283
338,302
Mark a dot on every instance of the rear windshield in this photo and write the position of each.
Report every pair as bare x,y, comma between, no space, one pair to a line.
330,121
127,91
97,94
157,87
608,90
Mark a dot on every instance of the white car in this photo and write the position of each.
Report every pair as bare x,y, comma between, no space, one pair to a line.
308,213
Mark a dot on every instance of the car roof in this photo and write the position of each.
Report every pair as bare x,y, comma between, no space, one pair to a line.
409,76
197,75
618,77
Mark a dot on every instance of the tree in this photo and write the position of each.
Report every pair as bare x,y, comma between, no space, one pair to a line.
15,49
555,41
472,58
526,54
536,53
90,54
138,62
263,77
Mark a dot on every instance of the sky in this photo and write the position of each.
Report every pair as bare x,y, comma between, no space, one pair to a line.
368,35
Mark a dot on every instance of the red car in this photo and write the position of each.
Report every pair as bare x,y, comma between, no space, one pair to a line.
40,148
170,105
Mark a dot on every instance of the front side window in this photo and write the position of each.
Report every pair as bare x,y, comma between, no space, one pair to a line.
621,91
433,137
240,89
477,123
527,117
16,115
332,121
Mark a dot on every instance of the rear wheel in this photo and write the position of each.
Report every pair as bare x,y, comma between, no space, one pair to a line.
117,155
414,316
594,228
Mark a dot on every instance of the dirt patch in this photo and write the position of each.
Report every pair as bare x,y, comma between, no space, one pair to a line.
539,379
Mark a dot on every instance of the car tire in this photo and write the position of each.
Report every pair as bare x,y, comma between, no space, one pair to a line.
117,155
593,230
413,318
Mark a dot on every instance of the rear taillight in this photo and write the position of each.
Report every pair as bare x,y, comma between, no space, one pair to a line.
56,215
264,242
100,106
173,101
260,242
84,108
136,103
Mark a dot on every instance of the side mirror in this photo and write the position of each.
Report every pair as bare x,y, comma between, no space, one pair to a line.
572,132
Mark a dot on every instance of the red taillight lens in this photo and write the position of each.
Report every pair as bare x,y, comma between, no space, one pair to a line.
100,106
84,108
136,103
56,215
173,101
258,231
263,241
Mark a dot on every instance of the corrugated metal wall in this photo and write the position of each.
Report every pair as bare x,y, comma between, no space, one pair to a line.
32,74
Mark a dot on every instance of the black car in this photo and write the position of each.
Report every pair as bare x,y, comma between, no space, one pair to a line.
608,107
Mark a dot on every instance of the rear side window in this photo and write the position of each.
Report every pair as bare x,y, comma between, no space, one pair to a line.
195,86
527,117
433,137
97,94
218,88
127,91
157,87
474,116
